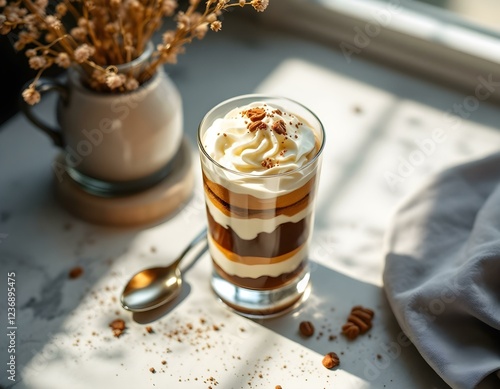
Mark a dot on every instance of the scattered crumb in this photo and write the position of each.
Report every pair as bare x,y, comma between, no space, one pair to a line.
118,327
198,334
76,272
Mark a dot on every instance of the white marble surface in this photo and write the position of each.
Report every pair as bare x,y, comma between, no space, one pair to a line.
373,116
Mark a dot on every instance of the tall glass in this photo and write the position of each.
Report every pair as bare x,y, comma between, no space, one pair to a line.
260,226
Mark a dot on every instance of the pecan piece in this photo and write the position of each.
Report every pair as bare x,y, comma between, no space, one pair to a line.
306,329
331,360
350,330
257,126
256,114
279,127
358,322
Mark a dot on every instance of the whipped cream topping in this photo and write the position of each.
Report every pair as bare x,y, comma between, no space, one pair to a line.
260,139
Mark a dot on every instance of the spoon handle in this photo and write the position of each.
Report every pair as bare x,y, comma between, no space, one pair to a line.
202,235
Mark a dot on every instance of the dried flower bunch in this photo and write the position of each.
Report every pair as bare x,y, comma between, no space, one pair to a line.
97,35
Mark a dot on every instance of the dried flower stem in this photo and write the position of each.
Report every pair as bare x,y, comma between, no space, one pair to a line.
106,33
72,9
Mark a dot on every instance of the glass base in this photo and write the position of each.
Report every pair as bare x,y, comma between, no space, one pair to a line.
261,304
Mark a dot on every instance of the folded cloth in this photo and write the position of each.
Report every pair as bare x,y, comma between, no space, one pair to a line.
442,273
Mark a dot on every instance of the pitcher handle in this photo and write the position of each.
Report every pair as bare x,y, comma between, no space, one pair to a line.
43,86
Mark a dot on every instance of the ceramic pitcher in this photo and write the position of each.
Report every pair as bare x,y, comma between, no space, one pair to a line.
114,143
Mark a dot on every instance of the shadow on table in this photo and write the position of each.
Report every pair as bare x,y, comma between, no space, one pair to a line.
62,267
380,357
155,314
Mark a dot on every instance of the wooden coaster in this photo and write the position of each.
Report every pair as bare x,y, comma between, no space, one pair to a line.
148,206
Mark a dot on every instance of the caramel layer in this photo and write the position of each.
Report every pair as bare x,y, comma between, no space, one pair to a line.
261,283
231,256
245,213
246,201
285,238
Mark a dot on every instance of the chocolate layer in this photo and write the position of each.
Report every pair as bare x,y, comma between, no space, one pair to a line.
247,260
285,238
261,283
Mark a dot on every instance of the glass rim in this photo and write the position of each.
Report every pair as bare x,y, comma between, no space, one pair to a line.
261,96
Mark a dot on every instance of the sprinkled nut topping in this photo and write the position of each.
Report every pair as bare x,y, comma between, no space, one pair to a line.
269,163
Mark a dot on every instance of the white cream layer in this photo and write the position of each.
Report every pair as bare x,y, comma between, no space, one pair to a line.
262,187
249,228
254,271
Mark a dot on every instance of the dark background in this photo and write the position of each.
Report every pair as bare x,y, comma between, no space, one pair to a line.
15,72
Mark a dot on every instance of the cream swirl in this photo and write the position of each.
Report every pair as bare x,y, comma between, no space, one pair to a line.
260,139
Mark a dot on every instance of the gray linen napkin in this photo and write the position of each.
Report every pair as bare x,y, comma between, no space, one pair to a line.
442,273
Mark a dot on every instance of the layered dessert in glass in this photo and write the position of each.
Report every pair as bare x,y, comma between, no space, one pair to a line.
260,159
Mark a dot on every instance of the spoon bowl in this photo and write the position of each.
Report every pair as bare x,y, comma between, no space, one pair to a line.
153,287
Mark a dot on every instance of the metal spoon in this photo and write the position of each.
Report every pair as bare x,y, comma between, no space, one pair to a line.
151,288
